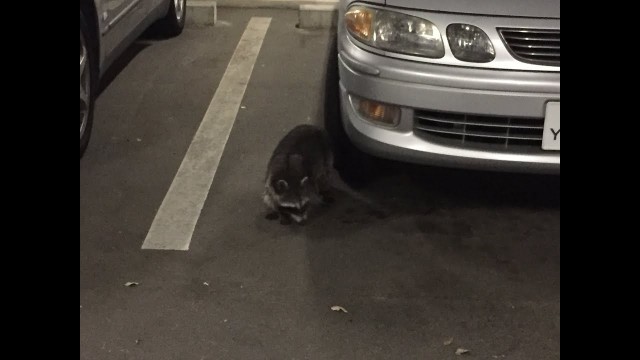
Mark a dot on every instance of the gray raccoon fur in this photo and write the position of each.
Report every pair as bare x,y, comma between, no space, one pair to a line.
298,173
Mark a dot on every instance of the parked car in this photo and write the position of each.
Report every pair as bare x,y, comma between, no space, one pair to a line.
456,83
107,28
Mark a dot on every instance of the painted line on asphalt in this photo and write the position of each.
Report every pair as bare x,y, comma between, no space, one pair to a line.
176,219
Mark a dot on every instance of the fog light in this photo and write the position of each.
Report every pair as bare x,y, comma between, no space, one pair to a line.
377,112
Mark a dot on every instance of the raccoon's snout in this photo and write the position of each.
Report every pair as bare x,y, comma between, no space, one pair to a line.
290,205
294,208
295,205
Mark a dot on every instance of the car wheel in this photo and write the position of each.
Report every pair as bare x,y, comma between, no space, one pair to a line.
173,23
355,167
86,87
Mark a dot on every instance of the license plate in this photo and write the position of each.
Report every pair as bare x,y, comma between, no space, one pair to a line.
551,134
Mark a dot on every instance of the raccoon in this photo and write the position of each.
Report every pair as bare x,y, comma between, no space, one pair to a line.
298,174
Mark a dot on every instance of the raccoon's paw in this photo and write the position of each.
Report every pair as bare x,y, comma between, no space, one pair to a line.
273,215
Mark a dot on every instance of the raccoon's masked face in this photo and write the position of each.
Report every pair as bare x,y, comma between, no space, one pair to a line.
293,194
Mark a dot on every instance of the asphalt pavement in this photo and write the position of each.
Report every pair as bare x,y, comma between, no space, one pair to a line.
470,257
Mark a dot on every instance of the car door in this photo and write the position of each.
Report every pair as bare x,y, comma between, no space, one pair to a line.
119,19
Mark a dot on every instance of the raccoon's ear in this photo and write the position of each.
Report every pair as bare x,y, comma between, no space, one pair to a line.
304,181
281,186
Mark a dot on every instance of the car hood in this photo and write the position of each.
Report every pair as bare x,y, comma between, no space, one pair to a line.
528,8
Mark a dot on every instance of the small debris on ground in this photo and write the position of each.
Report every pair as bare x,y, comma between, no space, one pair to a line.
205,283
339,308
138,139
448,341
461,351
138,341
243,107
131,284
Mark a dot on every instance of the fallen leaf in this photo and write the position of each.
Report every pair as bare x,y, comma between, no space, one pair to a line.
461,351
339,308
448,341
131,284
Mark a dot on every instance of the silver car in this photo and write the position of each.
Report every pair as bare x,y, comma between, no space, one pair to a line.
107,28
457,83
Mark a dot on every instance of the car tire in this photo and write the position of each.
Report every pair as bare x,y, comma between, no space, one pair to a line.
173,23
355,167
87,86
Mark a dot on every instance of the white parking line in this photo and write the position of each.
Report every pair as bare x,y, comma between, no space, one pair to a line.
175,221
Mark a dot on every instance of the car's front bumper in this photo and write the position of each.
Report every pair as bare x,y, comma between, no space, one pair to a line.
460,90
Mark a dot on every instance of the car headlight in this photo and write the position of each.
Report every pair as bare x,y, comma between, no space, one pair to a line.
394,31
470,43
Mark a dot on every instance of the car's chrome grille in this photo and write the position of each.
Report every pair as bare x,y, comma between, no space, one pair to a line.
534,46
480,131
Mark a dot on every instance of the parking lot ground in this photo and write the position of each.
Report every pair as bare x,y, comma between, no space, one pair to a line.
470,256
